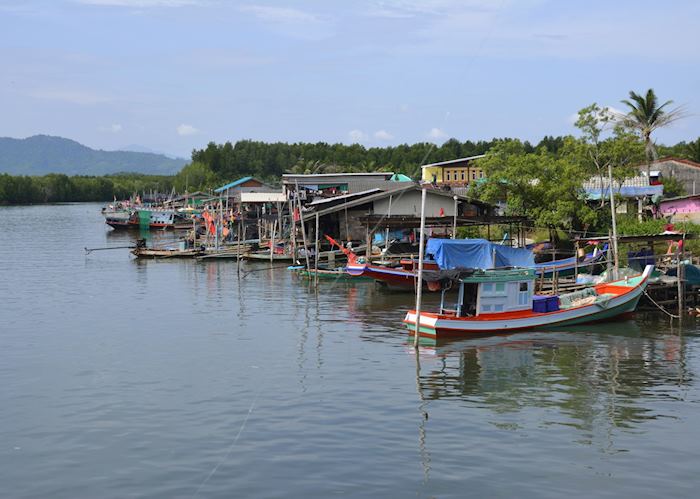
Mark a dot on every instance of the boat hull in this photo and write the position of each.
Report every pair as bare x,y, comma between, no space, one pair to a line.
437,326
395,278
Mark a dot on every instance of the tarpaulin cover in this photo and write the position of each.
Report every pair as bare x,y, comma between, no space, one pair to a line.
476,254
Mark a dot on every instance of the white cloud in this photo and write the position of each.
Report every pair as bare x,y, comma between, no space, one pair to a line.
140,4
383,135
437,134
357,136
186,130
290,21
279,14
113,128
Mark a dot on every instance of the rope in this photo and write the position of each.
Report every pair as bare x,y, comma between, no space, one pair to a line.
660,307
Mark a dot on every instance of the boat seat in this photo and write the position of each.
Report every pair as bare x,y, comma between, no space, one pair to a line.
575,298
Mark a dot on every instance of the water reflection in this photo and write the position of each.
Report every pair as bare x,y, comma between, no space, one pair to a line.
593,375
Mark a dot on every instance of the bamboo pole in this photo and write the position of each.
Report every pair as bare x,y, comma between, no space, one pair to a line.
316,252
272,243
238,244
454,220
386,234
293,231
419,285
303,234
614,223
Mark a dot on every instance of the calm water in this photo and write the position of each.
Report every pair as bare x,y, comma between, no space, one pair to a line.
121,378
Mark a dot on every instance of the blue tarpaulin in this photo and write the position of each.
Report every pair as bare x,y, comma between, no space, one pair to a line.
452,254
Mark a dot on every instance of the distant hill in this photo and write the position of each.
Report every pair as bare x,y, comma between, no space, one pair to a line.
42,154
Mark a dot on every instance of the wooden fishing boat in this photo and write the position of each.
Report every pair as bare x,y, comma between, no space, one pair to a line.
493,301
336,274
465,254
568,266
167,253
119,217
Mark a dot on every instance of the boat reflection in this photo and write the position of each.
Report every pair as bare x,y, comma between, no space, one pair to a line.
588,373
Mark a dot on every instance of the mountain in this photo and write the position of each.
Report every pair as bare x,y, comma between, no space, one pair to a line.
42,154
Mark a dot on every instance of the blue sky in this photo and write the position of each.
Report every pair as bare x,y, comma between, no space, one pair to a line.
172,75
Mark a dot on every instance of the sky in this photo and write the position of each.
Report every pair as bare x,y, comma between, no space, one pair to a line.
173,75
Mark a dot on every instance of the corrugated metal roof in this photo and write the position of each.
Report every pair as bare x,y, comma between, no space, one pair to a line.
452,161
233,184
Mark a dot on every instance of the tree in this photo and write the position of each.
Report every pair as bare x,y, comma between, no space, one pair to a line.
540,185
692,150
195,176
605,148
645,116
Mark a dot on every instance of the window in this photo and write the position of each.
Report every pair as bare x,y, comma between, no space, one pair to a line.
448,176
481,174
523,286
462,174
498,308
473,175
500,286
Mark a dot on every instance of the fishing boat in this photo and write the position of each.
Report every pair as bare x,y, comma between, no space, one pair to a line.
493,301
569,266
444,255
450,254
119,216
325,273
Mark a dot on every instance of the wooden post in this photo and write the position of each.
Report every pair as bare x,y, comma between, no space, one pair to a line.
679,275
303,236
614,223
316,255
272,243
575,261
293,230
454,220
368,242
419,286
238,249
386,234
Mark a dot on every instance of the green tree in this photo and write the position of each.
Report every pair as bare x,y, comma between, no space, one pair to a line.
540,185
195,177
692,150
605,148
645,116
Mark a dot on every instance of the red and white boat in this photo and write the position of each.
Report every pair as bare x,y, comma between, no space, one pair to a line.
493,301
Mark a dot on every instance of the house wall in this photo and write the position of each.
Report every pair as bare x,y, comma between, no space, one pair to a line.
409,205
688,175
456,174
680,206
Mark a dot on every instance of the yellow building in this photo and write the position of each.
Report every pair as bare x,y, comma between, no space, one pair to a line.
458,172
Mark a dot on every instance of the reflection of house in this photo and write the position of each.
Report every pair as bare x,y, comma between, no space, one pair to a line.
457,172
684,170
683,208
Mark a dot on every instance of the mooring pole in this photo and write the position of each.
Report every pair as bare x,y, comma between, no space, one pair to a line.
316,252
386,234
454,220
419,285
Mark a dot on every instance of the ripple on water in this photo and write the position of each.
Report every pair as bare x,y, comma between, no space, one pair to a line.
165,379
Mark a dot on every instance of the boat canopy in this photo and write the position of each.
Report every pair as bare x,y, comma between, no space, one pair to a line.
452,254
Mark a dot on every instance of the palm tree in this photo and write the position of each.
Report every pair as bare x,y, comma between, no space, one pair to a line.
645,116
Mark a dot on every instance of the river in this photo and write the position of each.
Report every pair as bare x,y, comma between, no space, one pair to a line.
124,378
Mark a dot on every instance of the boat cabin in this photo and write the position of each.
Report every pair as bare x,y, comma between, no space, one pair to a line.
493,292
